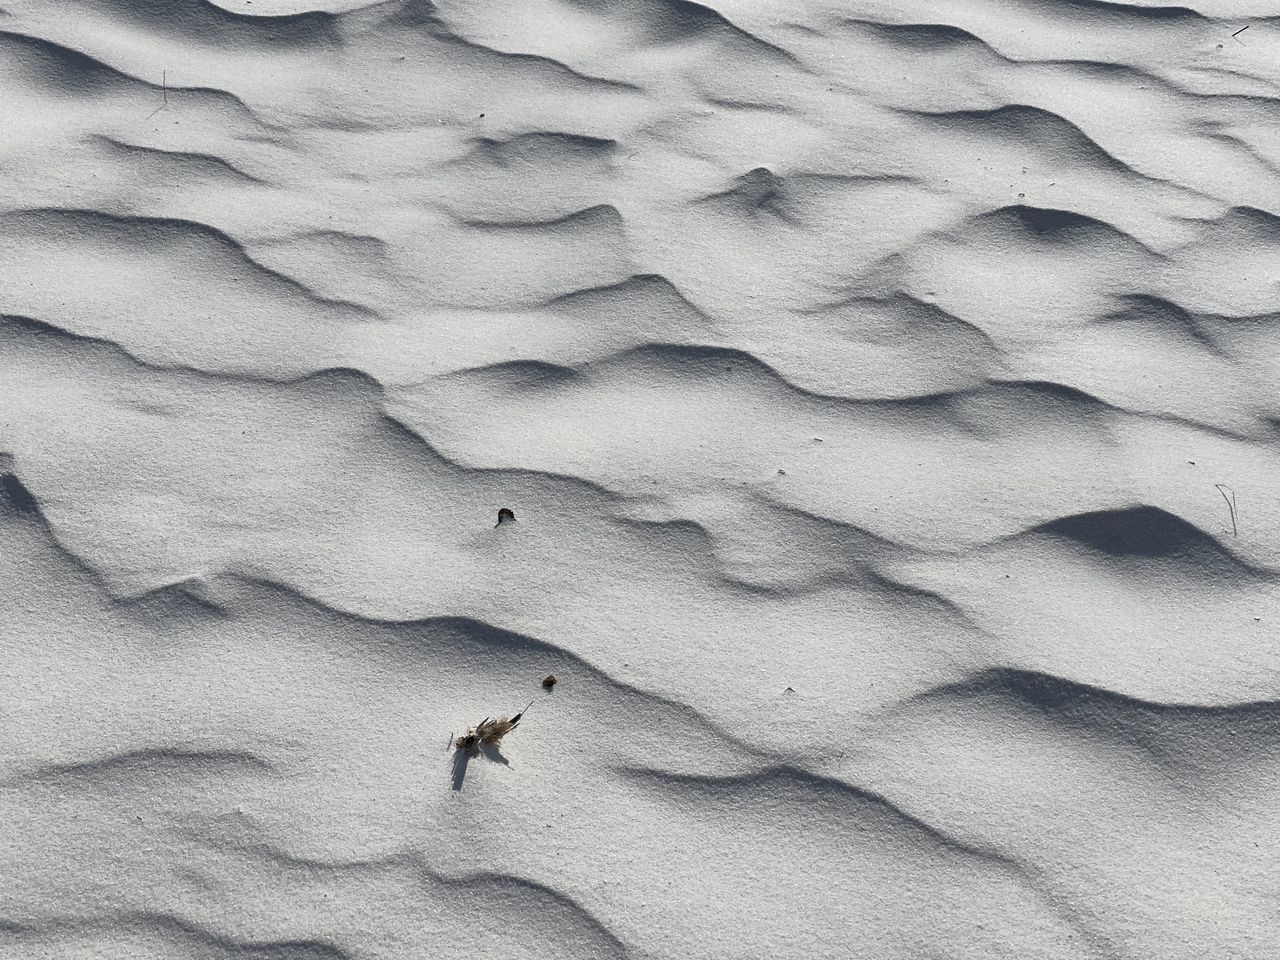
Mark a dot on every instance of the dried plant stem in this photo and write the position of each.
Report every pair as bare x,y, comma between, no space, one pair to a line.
1231,505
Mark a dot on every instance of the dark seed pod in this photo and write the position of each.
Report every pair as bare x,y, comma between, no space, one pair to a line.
506,515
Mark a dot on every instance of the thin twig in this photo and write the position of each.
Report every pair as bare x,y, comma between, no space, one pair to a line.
164,91
1231,505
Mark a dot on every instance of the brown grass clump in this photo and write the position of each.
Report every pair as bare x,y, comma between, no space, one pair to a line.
488,731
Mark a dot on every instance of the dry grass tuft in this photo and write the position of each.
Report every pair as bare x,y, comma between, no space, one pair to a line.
488,731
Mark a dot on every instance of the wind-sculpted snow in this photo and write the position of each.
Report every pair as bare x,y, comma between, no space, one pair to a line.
885,396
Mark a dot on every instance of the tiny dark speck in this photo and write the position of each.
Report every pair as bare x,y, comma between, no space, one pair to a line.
506,515
549,681
788,690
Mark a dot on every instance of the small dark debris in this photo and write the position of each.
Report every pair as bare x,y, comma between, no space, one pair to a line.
482,116
506,515
549,681
788,690
782,473
1241,30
